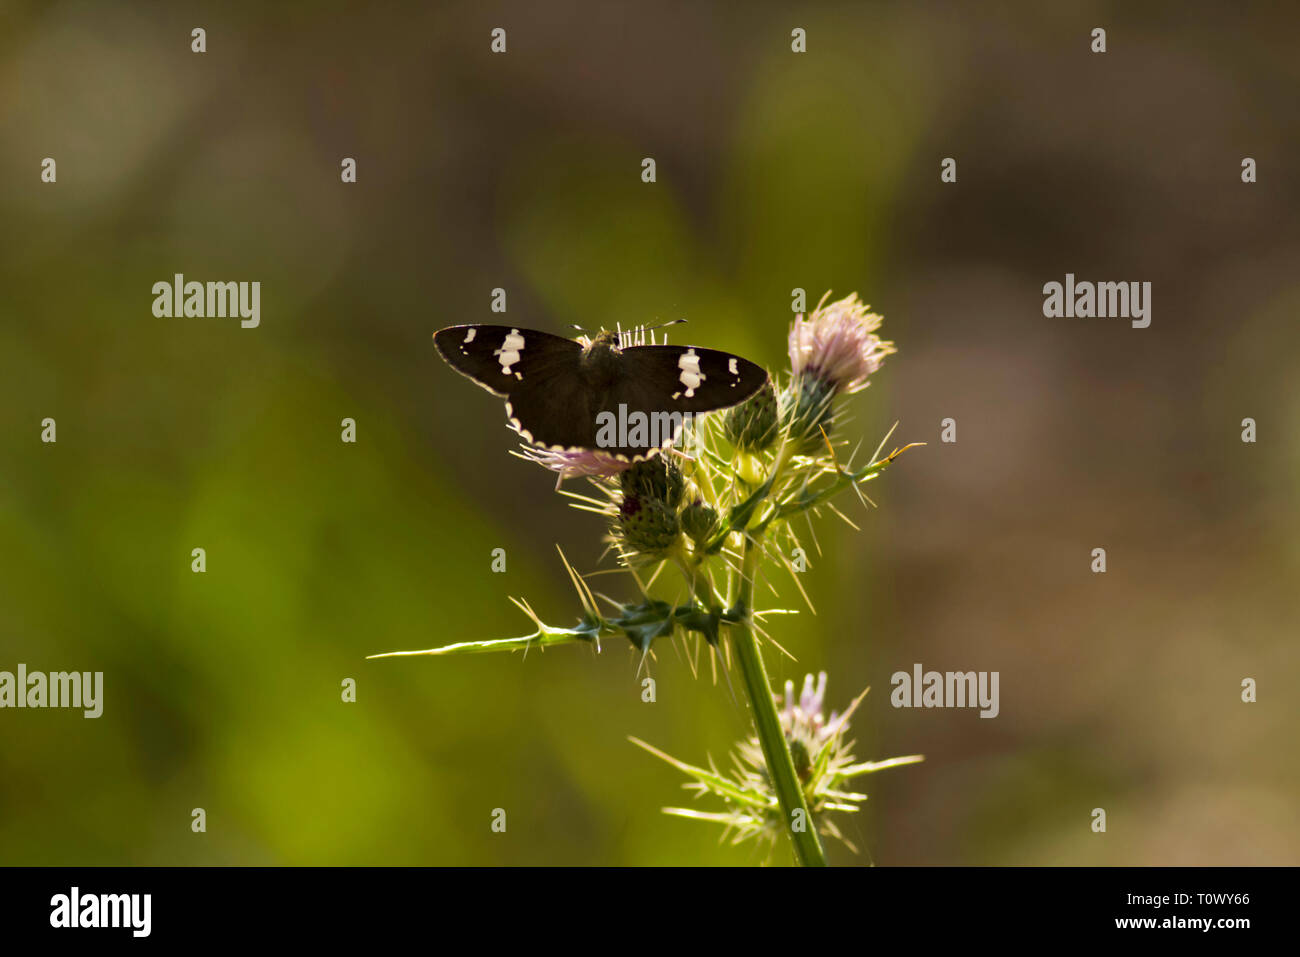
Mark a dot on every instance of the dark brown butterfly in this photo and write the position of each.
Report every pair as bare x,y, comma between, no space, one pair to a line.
564,394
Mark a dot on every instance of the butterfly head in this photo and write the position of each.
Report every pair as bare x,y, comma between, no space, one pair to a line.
600,356
605,339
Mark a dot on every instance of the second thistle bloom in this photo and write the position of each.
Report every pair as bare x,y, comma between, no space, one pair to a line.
805,726
833,352
823,759
838,345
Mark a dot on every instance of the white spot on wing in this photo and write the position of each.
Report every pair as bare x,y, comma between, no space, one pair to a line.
691,376
469,336
510,350
731,366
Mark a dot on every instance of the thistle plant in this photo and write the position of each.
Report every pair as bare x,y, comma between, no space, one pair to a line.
823,762
722,511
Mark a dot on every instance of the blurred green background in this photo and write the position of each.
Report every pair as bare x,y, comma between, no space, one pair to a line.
775,171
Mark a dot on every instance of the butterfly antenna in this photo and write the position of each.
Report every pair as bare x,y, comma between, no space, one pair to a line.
641,333
670,322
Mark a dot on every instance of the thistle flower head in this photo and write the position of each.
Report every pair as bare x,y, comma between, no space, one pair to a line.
823,758
576,463
838,345
806,728
648,524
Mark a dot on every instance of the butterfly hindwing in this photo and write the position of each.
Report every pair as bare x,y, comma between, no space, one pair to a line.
555,411
503,358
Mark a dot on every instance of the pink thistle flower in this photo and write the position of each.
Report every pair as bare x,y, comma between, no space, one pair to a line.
576,463
802,718
838,344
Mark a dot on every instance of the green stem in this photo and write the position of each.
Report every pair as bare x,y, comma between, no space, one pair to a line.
776,751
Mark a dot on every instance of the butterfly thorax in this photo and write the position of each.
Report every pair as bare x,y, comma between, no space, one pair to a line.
600,359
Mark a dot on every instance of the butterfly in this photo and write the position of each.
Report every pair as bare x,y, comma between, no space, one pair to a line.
610,392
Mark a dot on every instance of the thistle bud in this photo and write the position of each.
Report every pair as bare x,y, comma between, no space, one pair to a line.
807,410
699,521
656,480
752,425
647,527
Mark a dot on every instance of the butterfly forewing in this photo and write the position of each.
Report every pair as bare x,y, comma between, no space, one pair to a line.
501,358
687,378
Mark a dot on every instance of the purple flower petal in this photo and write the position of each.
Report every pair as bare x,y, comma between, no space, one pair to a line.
838,343
576,463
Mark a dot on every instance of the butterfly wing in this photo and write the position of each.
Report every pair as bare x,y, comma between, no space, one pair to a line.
535,372
685,379
502,358
661,386
556,411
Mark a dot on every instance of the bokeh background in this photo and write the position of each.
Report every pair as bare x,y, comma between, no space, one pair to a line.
775,171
